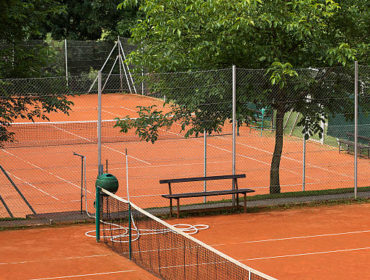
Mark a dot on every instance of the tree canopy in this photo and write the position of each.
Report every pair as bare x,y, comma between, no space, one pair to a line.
91,20
279,36
19,22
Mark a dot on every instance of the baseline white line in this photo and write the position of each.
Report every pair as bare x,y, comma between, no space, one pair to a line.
296,237
307,254
84,275
57,259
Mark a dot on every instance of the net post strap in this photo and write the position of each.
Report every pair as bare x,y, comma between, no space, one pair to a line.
200,243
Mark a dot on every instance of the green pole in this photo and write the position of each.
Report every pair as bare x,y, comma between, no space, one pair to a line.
97,213
129,231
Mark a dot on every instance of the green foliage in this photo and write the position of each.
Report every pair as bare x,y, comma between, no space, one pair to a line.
19,22
148,123
91,20
280,36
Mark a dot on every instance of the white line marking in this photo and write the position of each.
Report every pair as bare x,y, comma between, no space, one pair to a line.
57,259
84,275
33,186
44,170
74,134
296,237
307,254
289,158
114,150
132,110
251,158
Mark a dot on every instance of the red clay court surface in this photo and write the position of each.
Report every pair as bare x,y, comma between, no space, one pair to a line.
322,243
49,176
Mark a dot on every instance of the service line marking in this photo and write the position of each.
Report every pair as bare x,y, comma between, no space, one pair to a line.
307,254
296,237
58,259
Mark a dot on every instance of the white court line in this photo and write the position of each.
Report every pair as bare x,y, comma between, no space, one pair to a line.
260,161
251,158
88,140
44,170
74,134
292,159
122,153
84,275
296,237
33,186
307,254
57,259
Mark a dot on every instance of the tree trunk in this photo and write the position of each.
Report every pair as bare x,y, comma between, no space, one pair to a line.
275,163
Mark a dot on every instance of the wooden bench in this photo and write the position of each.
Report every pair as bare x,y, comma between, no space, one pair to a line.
349,143
234,191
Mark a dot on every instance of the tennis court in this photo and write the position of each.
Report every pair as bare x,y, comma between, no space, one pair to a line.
307,243
43,166
61,253
328,242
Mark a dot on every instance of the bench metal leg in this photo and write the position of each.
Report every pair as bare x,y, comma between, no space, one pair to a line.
178,207
171,207
245,203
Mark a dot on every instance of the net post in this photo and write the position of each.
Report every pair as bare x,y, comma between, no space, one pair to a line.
97,213
129,231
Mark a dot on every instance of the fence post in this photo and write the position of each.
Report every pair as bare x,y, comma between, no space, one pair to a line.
100,166
66,60
120,67
205,163
234,126
356,126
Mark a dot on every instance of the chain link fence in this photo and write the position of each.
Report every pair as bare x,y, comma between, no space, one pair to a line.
197,139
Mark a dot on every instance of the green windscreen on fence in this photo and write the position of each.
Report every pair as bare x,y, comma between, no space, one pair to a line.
339,127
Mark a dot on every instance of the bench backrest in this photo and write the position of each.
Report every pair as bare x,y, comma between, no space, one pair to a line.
207,178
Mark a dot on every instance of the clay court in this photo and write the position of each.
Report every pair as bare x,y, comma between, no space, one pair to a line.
328,242
49,176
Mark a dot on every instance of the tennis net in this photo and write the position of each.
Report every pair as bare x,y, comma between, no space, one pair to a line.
162,249
34,134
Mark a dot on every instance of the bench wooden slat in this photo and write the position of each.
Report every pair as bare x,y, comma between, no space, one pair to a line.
208,178
209,193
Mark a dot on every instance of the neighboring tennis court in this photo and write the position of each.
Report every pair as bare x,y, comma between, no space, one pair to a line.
49,176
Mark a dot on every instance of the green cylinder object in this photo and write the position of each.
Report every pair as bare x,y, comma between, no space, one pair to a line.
108,182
